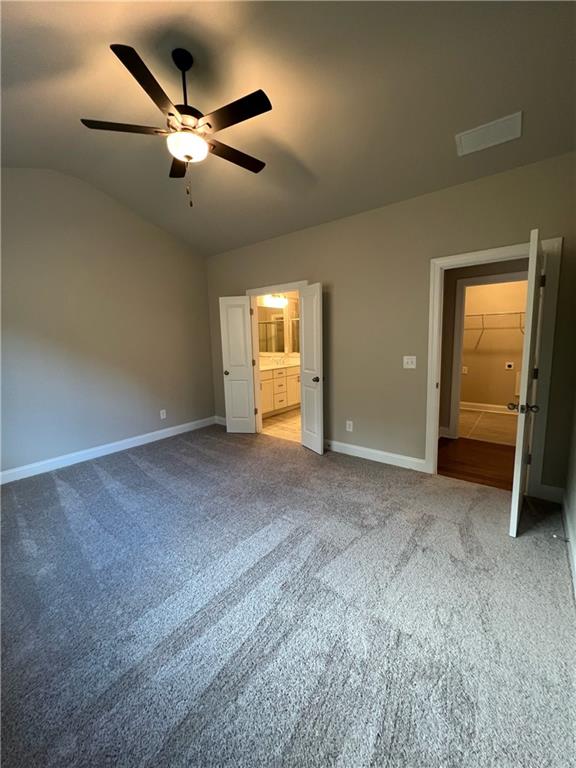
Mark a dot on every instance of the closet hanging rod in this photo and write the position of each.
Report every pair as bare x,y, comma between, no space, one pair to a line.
484,327
491,314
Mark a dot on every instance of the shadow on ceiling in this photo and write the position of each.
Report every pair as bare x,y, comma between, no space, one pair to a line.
207,72
48,53
284,169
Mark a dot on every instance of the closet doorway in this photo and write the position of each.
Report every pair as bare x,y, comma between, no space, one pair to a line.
488,338
543,259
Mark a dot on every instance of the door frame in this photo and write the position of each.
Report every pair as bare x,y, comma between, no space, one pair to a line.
552,249
458,334
253,293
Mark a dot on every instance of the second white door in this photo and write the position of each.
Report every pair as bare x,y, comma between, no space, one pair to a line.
311,367
237,362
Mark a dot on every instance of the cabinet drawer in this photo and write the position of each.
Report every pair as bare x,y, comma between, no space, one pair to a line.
280,400
293,371
279,373
279,386
266,375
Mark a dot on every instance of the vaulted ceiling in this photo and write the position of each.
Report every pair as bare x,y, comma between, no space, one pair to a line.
366,100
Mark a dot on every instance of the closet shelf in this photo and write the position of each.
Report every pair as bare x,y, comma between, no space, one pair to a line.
517,323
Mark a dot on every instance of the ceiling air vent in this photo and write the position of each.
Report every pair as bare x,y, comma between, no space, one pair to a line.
489,134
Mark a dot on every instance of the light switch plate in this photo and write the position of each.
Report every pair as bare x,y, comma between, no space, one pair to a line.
464,369
409,361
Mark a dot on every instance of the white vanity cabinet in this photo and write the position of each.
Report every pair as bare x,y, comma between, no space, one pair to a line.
266,391
279,388
293,386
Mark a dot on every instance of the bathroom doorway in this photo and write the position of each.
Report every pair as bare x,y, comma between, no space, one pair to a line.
278,321
272,362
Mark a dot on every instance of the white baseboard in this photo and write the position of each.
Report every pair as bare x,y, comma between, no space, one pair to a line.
373,454
220,420
488,407
48,465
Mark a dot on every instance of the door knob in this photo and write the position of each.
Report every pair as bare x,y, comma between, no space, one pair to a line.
529,408
523,408
316,379
226,373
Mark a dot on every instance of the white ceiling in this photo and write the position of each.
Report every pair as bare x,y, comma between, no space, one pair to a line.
366,100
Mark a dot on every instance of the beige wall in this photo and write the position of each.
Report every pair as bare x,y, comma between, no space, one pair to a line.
375,272
486,353
105,321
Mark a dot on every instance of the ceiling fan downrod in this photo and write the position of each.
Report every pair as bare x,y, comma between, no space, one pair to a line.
183,60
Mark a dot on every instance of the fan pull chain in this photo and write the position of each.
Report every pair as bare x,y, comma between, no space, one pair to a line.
190,203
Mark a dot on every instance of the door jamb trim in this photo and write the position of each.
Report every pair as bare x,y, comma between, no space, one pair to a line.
437,268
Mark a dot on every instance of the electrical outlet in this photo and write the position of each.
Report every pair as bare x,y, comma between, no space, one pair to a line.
349,426
509,365
409,361
163,414
464,369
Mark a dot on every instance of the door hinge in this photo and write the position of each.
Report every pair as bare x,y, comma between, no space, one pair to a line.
535,373
529,459
251,311
253,363
255,411
542,281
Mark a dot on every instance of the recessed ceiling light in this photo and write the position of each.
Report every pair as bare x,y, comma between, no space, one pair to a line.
490,134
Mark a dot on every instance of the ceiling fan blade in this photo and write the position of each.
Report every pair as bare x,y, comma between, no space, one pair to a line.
102,125
145,78
178,169
243,109
235,156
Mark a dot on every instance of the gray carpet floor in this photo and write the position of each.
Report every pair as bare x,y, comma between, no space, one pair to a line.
235,600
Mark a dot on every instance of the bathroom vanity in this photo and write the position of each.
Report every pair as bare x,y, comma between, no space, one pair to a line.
279,385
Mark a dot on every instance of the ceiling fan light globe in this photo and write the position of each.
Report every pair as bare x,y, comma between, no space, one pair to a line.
187,146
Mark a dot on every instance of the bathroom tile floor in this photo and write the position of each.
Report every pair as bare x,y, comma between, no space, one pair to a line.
286,426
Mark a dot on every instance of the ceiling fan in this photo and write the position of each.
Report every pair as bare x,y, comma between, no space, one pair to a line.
188,132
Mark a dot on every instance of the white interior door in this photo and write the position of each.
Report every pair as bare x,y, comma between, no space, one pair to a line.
527,403
256,358
311,368
236,331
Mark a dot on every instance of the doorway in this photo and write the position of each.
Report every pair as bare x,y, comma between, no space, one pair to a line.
487,334
539,320
273,362
278,320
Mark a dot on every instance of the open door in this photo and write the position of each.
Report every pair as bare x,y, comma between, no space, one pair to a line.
238,363
255,368
311,373
527,403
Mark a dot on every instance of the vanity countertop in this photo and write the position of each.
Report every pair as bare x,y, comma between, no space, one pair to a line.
271,366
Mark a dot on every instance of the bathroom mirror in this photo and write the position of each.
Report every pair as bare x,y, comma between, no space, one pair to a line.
279,323
271,329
